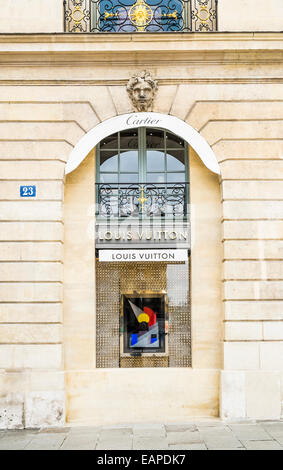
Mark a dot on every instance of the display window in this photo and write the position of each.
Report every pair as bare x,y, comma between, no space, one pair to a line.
144,324
143,314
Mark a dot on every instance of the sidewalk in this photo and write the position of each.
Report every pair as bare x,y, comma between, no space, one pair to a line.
201,435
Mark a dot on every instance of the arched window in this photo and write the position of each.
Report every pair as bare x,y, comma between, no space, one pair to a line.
142,173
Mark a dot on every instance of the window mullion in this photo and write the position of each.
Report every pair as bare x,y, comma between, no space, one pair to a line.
119,157
142,154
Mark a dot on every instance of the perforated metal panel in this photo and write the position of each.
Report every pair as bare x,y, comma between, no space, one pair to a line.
144,362
112,279
107,315
179,315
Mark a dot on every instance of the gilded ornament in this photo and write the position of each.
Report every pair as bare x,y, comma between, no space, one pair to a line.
203,14
142,199
77,15
174,15
140,15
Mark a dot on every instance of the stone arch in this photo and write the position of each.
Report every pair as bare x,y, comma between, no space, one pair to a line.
127,121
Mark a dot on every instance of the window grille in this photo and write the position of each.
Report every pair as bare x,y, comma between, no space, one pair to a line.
130,16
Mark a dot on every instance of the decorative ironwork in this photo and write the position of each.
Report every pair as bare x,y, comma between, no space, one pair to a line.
77,16
115,16
142,200
140,15
204,15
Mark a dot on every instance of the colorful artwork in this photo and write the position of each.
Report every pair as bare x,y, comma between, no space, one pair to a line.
144,323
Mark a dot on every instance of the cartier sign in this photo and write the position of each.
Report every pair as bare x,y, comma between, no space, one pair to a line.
135,121
142,119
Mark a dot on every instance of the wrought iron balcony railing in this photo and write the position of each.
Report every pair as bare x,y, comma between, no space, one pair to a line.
128,16
142,200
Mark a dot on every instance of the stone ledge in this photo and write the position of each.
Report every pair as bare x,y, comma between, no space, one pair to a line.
218,46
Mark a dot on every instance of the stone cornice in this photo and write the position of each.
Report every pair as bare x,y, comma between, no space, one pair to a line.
139,37
125,48
45,53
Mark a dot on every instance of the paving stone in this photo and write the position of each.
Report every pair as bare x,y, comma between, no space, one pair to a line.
154,430
115,447
278,439
199,446
123,443
180,427
249,432
185,437
64,430
212,433
128,427
275,424
273,429
213,429
84,430
210,424
84,441
262,445
108,433
15,442
149,443
190,436
223,443
46,441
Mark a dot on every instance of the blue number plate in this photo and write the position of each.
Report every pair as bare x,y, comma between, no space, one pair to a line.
27,191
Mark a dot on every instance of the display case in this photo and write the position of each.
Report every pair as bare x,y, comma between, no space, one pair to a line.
144,324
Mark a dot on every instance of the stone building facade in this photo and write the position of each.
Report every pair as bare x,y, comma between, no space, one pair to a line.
225,89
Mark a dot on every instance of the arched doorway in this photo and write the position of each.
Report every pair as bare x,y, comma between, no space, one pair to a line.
99,392
142,221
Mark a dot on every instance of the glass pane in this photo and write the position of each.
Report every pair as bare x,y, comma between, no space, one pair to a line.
110,142
154,139
155,161
173,141
108,178
175,160
155,177
129,139
129,161
129,178
109,161
144,322
175,177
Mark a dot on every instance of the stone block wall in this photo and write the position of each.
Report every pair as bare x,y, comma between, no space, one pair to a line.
32,398
32,16
52,93
244,128
249,15
31,276
251,167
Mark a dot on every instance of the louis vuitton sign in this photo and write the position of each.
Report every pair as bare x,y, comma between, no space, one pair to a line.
135,236
142,255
